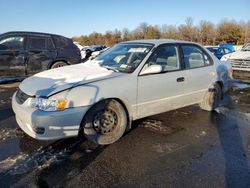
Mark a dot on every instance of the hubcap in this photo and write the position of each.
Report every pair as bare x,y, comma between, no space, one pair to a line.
105,121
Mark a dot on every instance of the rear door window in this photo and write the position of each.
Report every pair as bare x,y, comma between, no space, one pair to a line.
36,43
40,43
65,43
195,57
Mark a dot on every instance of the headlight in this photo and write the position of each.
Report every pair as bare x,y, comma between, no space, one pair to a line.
48,104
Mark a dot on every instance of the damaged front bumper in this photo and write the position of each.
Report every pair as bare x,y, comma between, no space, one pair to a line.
43,125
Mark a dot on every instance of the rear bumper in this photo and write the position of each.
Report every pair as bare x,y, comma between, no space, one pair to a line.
56,125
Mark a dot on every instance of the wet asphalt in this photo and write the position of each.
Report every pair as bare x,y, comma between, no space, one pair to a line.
187,147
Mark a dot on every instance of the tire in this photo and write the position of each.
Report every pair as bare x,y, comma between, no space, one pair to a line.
58,64
105,122
212,98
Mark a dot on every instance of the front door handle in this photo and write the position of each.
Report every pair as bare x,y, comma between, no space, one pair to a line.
181,79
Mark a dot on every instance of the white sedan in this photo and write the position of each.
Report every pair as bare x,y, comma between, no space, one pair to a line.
100,98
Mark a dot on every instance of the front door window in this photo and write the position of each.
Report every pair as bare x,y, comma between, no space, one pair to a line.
11,43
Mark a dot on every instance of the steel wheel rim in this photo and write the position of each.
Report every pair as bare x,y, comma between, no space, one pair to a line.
105,121
59,65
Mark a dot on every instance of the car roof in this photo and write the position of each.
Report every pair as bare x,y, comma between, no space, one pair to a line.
158,41
31,33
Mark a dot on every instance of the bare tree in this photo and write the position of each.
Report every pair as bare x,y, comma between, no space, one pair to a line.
229,32
205,33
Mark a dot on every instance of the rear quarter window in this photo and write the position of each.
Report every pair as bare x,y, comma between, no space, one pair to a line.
62,42
40,43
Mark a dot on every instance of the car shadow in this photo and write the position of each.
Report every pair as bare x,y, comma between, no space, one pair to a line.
49,161
237,169
84,154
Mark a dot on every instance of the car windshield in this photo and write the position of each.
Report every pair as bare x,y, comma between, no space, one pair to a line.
246,47
124,57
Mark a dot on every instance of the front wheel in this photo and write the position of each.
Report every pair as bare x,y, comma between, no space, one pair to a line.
105,122
212,98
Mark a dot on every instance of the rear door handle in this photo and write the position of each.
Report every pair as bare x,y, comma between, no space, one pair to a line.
181,79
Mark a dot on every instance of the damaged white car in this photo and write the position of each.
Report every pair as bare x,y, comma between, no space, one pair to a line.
100,98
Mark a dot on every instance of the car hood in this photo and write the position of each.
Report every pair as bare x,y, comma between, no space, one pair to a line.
240,55
55,80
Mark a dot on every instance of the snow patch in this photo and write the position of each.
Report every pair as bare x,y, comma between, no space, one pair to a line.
201,134
24,163
38,160
10,133
222,110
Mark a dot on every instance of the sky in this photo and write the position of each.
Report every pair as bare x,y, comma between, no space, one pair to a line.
81,17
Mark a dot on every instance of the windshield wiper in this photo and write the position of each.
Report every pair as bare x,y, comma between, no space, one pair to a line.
111,68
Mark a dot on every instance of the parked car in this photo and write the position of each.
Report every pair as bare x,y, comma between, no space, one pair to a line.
240,61
82,49
96,49
221,50
26,53
131,80
96,53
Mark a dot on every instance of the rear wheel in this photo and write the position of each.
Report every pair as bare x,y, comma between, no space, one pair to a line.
58,64
105,122
212,98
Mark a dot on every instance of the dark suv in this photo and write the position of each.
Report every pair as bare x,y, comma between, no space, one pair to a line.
26,53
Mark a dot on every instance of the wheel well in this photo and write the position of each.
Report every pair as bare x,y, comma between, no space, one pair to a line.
117,100
221,84
126,110
52,63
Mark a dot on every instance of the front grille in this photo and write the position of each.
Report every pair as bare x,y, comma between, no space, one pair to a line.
21,97
241,75
240,63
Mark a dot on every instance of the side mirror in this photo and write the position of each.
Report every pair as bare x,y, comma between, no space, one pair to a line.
152,69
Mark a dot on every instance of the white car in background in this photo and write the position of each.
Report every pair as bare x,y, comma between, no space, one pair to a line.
82,49
100,98
240,61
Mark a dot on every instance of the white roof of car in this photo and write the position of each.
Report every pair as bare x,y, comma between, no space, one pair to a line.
158,41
